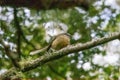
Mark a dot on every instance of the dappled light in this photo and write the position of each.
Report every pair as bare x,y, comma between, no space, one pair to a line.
79,41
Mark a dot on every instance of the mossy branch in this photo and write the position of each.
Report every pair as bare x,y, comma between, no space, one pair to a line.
29,65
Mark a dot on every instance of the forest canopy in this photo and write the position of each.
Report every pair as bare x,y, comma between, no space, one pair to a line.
94,52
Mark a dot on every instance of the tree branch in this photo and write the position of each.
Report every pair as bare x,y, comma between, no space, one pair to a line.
18,32
11,74
45,4
68,50
65,51
11,54
24,38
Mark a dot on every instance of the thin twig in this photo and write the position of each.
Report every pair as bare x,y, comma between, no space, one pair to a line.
24,38
11,54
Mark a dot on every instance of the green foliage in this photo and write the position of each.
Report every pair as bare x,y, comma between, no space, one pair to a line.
31,24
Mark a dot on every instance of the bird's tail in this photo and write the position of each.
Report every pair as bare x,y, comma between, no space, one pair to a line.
39,51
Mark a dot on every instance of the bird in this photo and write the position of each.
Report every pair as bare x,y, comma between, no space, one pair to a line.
57,42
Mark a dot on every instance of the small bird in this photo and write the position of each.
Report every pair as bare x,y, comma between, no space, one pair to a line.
57,42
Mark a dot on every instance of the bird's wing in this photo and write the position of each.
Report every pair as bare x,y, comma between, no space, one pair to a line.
51,41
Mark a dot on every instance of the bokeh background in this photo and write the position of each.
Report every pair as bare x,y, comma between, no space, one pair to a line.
37,26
